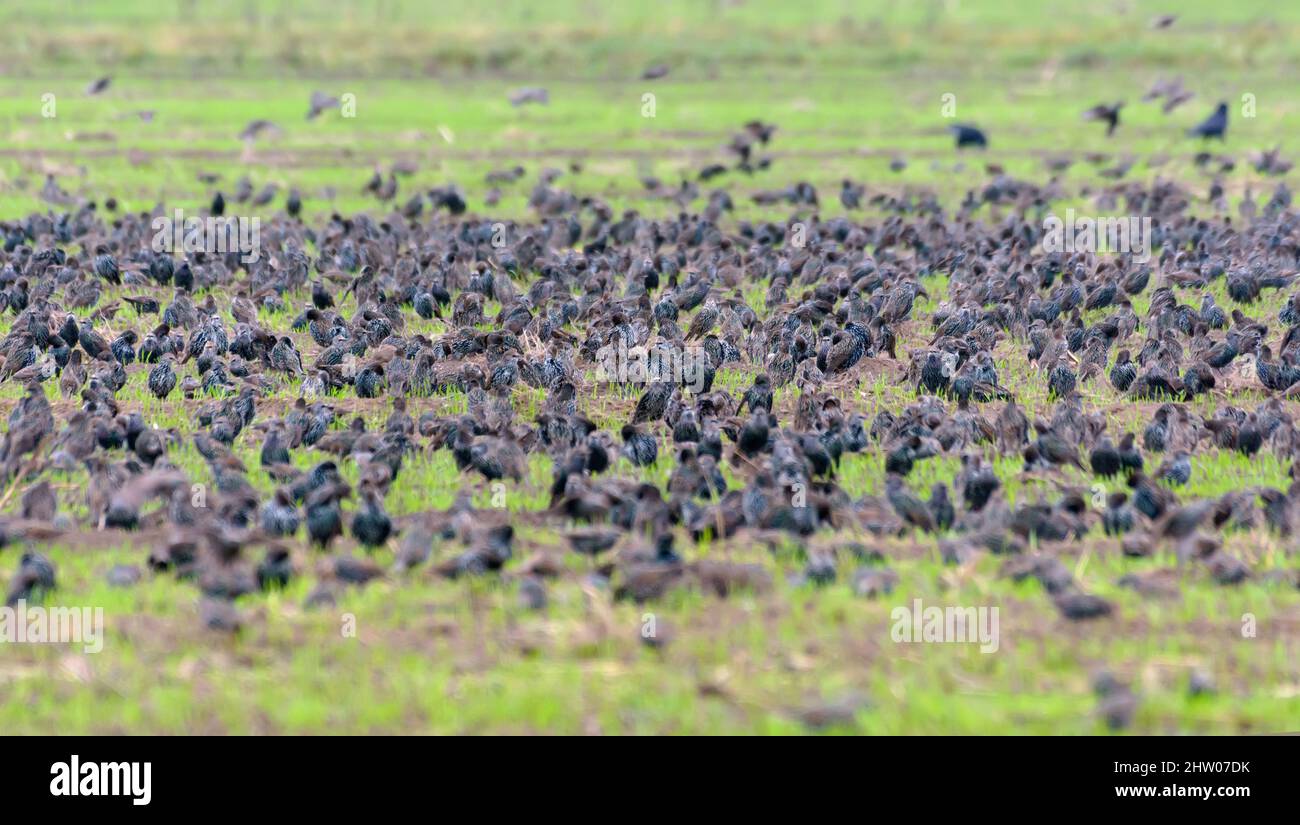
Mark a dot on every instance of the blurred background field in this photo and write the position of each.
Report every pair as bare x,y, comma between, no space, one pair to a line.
852,85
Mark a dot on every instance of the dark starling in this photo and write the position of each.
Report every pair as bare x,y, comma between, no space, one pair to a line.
1148,499
1105,459
653,402
908,507
1061,381
106,268
324,521
279,515
123,575
1077,606
39,502
979,486
704,321
594,541
219,615
687,429
820,569
638,447
369,382
1227,569
850,195
968,136
753,436
162,378
34,580
1176,470
285,358
183,276
532,593
758,395
1118,517
1116,703
1124,372
275,569
320,296
940,506
1156,434
1109,114
94,344
370,524
1211,314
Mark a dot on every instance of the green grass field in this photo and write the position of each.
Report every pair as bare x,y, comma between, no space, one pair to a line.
852,86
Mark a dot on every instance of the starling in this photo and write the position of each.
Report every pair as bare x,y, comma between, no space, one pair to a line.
940,506
275,569
1124,372
162,378
759,395
1176,470
324,521
638,447
967,136
653,403
1109,114
1105,459
34,580
908,507
1118,517
370,524
1077,606
279,515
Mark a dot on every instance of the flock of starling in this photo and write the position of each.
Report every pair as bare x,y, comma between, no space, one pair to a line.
290,356
284,354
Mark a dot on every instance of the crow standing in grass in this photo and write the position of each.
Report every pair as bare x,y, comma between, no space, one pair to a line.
1214,126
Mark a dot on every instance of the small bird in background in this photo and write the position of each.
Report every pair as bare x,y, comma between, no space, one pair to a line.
266,195
968,136
1214,126
655,72
530,94
1116,702
1171,90
1107,113
99,85
243,190
321,102
257,128
1270,162
851,194
1164,21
